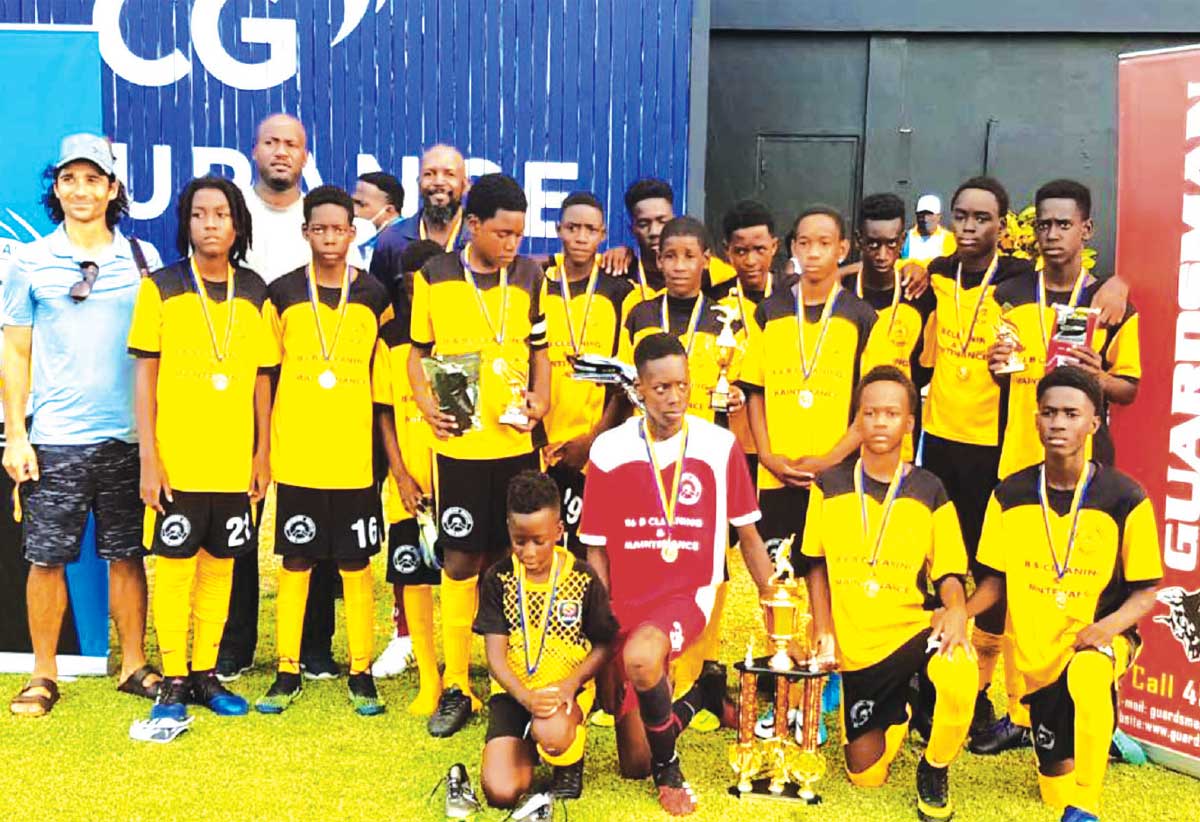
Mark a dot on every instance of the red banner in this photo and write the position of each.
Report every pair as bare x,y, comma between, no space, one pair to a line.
1158,437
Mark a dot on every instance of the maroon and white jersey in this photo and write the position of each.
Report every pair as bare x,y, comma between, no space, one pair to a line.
649,562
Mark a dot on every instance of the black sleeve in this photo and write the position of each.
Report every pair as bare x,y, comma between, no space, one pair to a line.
489,619
599,623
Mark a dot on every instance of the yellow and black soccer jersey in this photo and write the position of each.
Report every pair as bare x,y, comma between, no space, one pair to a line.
1119,352
921,545
1116,552
447,319
205,435
964,399
596,323
718,274
322,437
554,644
806,417
898,336
413,434
704,368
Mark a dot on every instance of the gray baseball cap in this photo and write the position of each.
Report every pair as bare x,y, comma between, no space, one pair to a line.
90,147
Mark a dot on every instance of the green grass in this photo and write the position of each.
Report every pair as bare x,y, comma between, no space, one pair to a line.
319,760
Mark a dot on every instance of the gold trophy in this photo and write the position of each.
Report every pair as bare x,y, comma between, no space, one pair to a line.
781,767
514,412
727,346
1006,332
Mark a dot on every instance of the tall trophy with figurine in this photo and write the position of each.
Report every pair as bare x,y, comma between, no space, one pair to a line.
727,347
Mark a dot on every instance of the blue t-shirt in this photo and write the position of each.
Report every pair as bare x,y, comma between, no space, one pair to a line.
82,377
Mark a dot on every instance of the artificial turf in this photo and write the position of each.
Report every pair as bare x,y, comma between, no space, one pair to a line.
321,761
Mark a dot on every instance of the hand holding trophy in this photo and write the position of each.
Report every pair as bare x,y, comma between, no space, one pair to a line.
518,381
727,347
1006,335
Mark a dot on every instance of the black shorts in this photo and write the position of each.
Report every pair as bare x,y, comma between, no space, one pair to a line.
472,498
1052,719
506,717
783,513
220,523
318,523
969,473
405,565
75,480
876,697
570,486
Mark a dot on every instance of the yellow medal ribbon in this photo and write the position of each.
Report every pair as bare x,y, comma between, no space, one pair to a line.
219,353
1077,500
455,227
807,368
964,343
742,300
693,321
889,500
542,627
1076,290
858,290
483,309
342,306
667,502
565,288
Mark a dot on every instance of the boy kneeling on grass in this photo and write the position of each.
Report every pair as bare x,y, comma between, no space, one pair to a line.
548,627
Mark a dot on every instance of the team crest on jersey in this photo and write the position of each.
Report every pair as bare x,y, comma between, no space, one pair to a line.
406,559
861,712
457,522
569,612
300,529
676,637
1182,618
175,530
1044,737
689,489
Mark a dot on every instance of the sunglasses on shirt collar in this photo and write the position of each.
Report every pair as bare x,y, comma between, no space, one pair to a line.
82,289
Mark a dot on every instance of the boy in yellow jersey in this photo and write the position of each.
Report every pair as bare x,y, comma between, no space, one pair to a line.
484,302
326,318
877,531
408,490
800,378
1063,226
584,315
1074,548
203,350
548,625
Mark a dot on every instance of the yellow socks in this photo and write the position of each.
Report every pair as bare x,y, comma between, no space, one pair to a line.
954,680
1090,680
214,581
289,617
1057,791
418,610
173,610
359,592
460,599
875,775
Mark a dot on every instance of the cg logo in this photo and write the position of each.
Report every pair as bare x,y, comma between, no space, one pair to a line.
457,522
175,530
278,35
861,712
405,559
300,529
1044,737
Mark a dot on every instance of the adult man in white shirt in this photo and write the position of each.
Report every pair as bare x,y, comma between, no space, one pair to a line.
927,240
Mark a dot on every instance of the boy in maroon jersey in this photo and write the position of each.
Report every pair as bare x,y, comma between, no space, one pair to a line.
661,492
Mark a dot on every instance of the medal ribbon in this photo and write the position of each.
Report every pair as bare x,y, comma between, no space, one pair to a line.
693,321
1077,499
342,306
667,503
642,280
858,290
889,500
964,343
593,278
742,300
455,227
806,367
1076,290
483,309
212,331
556,565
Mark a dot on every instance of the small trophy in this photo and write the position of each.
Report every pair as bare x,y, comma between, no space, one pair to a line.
454,380
518,380
727,346
605,371
1073,326
1006,332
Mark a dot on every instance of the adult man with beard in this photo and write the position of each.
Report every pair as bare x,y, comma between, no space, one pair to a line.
442,184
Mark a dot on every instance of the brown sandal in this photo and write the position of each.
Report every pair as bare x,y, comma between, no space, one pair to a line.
135,683
44,702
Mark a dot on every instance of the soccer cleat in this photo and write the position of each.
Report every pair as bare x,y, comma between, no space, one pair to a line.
453,711
363,695
566,781
705,721
985,714
460,799
172,699
933,793
229,670
1074,814
1004,735
208,691
675,795
283,692
395,659
320,668
1125,749
602,719
533,807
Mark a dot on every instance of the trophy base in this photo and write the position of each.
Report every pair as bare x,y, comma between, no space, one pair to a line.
513,418
1010,368
761,789
720,405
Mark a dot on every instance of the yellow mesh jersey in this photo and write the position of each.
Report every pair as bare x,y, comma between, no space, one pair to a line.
1119,351
964,400
575,405
413,434
1116,552
446,318
322,437
703,365
580,617
772,367
921,545
205,436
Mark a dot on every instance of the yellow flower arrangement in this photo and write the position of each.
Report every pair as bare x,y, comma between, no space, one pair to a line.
1020,240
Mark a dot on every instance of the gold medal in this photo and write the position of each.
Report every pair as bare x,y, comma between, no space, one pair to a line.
670,551
328,379
1060,599
897,290
577,341
693,321
469,275
963,373
807,367
532,661
1077,500
871,588
220,381
805,398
